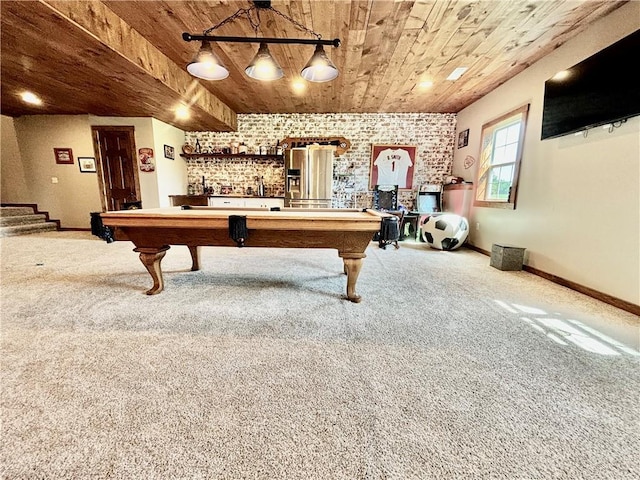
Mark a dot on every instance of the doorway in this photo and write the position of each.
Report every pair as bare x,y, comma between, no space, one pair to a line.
117,167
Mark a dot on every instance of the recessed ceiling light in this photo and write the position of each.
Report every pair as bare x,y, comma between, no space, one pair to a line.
298,85
561,75
425,84
182,112
457,73
31,98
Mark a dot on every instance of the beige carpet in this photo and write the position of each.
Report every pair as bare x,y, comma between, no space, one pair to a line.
256,367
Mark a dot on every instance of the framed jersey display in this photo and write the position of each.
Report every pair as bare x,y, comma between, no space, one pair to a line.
392,165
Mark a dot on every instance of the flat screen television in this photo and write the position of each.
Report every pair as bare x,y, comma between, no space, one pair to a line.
600,90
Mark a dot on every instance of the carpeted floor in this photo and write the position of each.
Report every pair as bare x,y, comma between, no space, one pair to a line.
256,367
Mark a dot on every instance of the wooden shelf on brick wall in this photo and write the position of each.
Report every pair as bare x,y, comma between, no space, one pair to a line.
231,155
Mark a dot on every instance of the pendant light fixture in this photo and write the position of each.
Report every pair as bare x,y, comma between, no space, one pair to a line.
263,66
207,65
319,68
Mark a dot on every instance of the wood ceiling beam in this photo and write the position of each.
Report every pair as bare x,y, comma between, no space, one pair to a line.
96,19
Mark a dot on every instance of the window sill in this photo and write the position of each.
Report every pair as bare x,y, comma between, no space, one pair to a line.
503,205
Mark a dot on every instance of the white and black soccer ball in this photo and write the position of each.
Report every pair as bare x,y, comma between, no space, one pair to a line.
446,231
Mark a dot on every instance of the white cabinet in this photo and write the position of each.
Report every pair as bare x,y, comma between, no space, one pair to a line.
264,202
246,202
226,202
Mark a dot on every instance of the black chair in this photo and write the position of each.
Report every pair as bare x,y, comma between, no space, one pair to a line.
385,199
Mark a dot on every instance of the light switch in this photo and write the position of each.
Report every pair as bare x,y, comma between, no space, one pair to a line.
54,179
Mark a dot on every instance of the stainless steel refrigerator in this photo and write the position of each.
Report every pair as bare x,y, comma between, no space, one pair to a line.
309,177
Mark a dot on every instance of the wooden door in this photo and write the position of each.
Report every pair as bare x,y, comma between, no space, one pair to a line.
118,175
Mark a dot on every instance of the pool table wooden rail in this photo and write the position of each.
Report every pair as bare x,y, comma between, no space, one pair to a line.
257,218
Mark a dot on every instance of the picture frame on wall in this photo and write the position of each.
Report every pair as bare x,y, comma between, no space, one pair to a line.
392,165
64,156
169,152
463,138
147,162
87,164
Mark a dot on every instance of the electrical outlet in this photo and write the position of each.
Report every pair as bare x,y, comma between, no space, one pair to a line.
54,179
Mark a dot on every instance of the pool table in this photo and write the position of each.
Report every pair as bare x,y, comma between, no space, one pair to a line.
152,231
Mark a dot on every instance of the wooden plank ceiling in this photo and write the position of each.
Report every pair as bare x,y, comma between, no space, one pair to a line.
127,58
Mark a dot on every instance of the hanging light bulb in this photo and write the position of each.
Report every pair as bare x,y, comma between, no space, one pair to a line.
264,66
319,68
207,65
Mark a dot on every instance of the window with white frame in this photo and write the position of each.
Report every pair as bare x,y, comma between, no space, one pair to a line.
500,156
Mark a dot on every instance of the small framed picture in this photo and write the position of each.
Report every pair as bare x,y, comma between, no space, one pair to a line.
463,138
169,152
87,164
64,156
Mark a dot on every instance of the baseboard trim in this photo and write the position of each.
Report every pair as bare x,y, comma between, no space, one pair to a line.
35,210
603,297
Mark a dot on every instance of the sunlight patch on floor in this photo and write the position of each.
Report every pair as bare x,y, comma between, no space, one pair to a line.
569,331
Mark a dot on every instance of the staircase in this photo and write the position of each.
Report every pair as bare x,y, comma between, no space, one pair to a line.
22,220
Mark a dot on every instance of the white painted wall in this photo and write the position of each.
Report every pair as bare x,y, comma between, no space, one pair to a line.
14,186
75,194
171,174
578,204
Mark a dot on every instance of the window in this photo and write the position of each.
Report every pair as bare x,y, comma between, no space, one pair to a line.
500,155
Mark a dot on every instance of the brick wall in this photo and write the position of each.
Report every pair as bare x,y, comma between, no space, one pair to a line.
432,133
237,173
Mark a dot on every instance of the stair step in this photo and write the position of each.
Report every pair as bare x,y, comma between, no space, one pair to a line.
15,211
27,229
22,219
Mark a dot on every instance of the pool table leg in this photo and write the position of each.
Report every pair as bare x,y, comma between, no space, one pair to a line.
195,257
352,268
151,258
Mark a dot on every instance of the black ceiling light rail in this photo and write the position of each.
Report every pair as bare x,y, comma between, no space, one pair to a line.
188,37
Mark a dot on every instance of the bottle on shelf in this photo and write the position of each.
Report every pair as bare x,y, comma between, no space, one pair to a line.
261,187
198,148
242,148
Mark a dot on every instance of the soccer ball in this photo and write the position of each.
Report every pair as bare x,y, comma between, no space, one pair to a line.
445,231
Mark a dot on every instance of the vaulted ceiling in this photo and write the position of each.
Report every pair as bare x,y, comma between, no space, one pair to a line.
128,58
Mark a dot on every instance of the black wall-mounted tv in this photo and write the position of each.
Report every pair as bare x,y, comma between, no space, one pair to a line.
602,89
